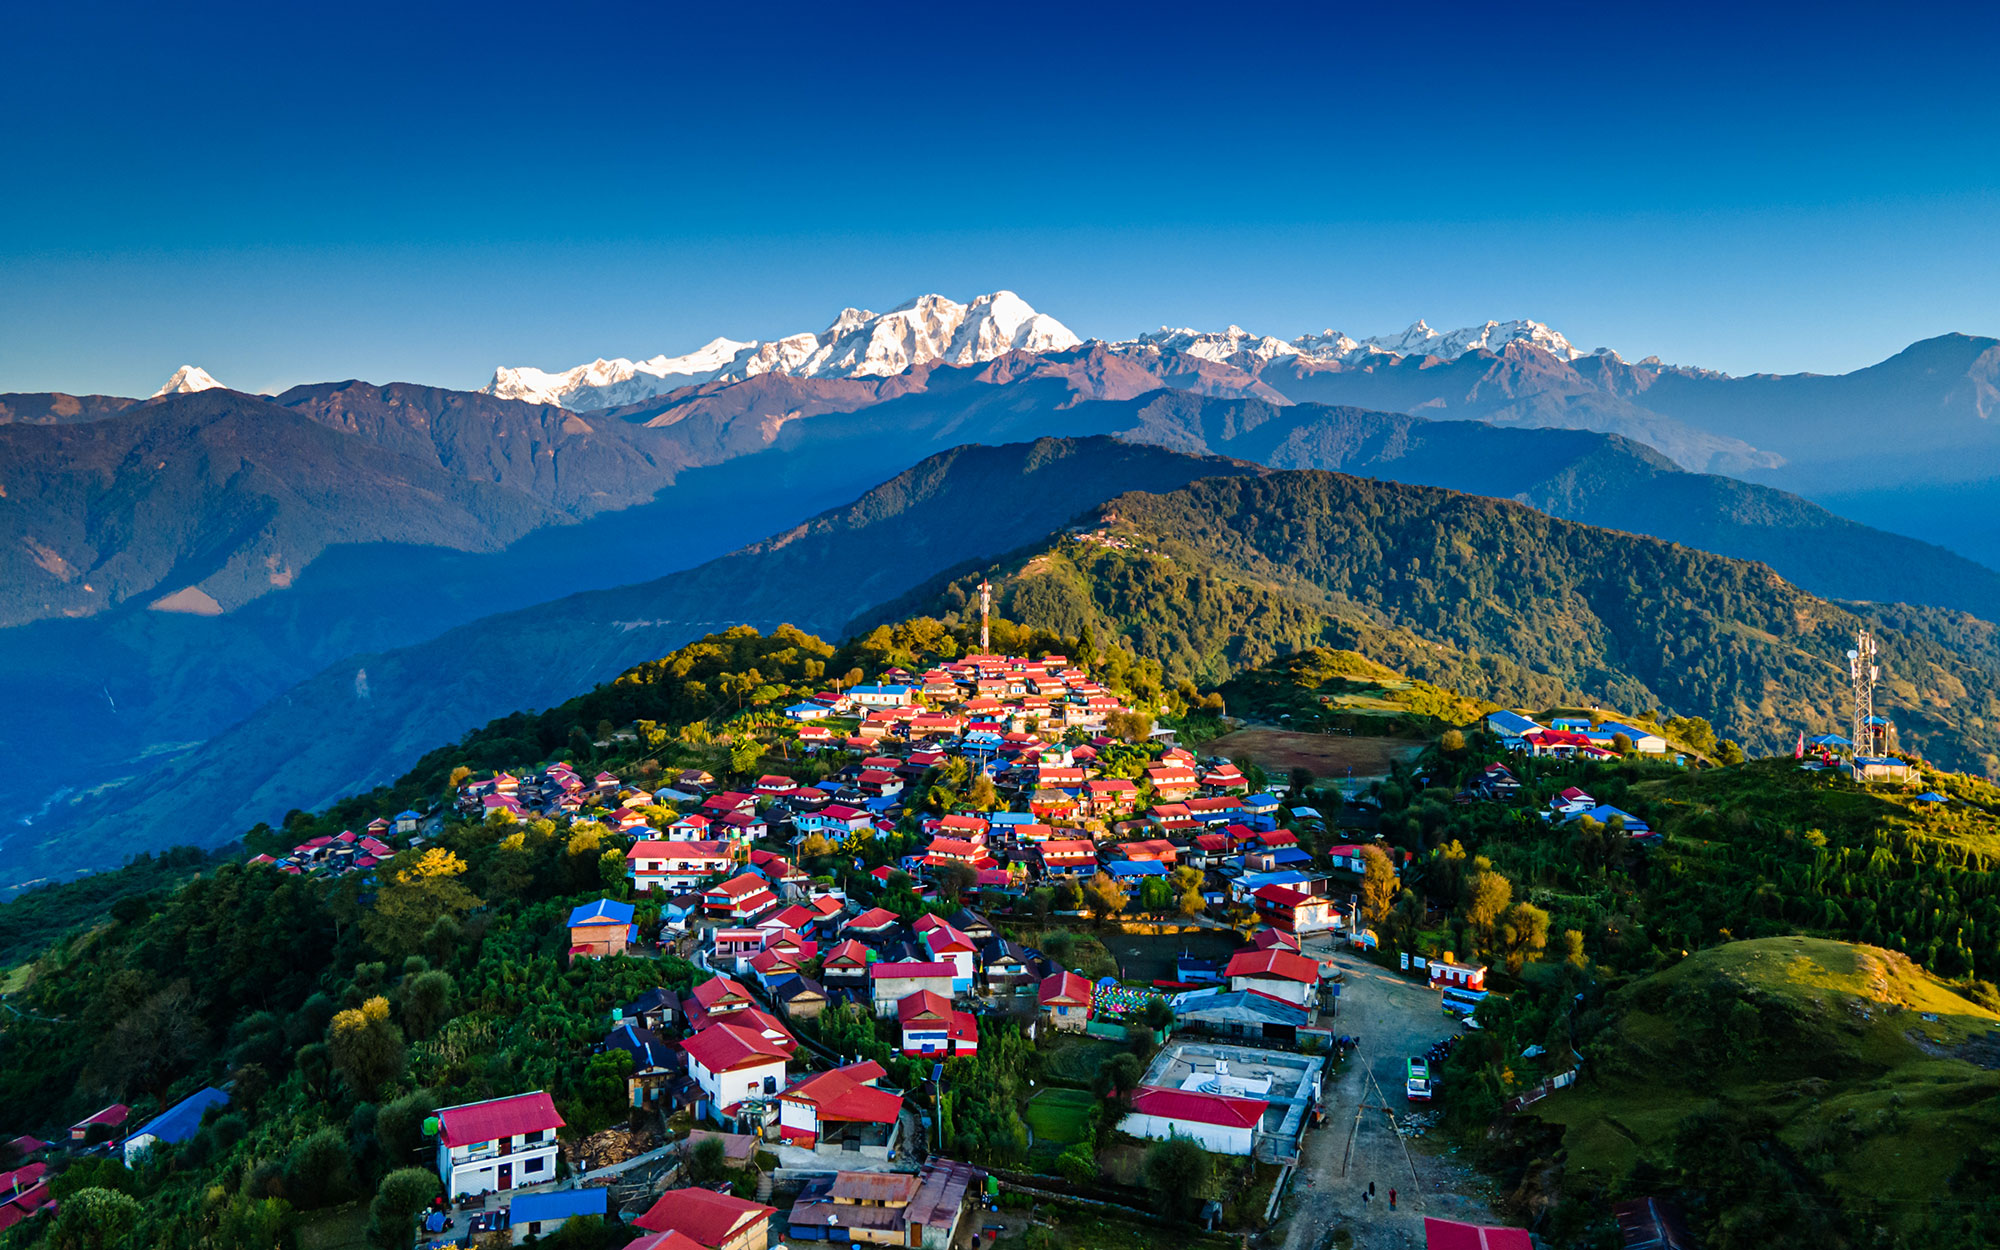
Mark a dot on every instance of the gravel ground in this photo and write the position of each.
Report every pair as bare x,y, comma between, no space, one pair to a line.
1395,1018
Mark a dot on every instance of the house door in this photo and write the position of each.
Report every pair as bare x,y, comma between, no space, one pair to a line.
506,1176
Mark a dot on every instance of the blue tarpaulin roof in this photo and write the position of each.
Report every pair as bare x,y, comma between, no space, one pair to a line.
604,911
179,1122
557,1205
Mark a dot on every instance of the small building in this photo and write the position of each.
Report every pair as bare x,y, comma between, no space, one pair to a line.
732,1062
174,1125
842,1112
539,1215
1065,1000
1296,911
1222,1124
105,1123
891,983
932,1028
708,1219
799,997
1455,1235
600,929
1469,977
1279,973
655,1064
486,1147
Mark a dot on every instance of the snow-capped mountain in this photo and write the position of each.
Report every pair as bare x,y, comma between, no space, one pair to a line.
858,344
1236,344
186,381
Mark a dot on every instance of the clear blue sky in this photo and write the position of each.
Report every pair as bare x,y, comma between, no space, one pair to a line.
291,192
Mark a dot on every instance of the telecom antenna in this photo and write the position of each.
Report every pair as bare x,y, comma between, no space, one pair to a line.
985,609
1862,668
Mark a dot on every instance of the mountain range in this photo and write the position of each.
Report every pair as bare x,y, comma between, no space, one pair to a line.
198,586
1220,564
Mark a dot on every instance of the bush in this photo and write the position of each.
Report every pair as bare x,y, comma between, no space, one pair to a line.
1178,1174
392,1217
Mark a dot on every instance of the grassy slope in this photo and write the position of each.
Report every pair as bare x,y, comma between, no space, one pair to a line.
1853,1056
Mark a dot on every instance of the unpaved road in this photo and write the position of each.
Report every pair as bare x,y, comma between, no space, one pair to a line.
1395,1017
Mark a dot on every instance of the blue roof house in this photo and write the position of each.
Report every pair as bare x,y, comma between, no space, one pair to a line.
176,1124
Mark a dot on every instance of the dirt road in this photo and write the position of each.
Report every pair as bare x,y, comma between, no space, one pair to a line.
1395,1018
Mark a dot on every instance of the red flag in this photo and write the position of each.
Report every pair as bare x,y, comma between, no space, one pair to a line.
1799,751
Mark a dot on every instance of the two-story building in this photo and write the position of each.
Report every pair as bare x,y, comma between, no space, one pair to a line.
657,864
732,1062
485,1147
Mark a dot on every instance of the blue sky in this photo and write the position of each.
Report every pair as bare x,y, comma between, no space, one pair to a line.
285,193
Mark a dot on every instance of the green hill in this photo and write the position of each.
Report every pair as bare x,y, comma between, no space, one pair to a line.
1757,1079
1484,596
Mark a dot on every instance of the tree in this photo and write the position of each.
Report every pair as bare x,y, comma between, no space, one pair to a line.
427,1002
1069,896
1078,1164
319,1171
1622,743
953,880
95,1219
1107,896
982,797
1157,1014
1452,741
1156,895
1487,896
707,1161
1119,1076
392,1217
1378,885
744,752
1524,934
1728,753
405,910
1573,953
366,1046
1178,1175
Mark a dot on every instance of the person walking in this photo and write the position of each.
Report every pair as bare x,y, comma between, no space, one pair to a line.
1364,1197
1392,1199
1371,1189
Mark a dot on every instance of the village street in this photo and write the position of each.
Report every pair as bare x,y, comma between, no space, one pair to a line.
1395,1017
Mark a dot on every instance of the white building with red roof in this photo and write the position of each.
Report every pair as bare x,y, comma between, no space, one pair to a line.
933,1028
739,898
485,1147
841,1109
1222,1124
1277,972
732,1062
660,864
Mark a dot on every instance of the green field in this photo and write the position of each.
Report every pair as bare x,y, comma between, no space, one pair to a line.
1059,1116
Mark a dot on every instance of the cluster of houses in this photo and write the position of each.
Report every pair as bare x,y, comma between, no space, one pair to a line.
347,851
1570,737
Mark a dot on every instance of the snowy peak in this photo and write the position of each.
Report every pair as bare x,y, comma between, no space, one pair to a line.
858,344
1236,345
1421,340
186,381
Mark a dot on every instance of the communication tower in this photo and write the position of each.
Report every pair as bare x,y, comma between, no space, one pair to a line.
985,608
1862,668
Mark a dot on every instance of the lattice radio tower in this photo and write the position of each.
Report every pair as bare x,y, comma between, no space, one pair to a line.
1862,668
985,609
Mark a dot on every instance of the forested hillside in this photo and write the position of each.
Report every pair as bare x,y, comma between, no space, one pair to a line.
1489,597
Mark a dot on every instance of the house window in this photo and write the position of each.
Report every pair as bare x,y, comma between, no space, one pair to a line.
532,1165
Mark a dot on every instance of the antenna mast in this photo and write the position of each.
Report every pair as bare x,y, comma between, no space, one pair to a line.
1862,668
985,608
